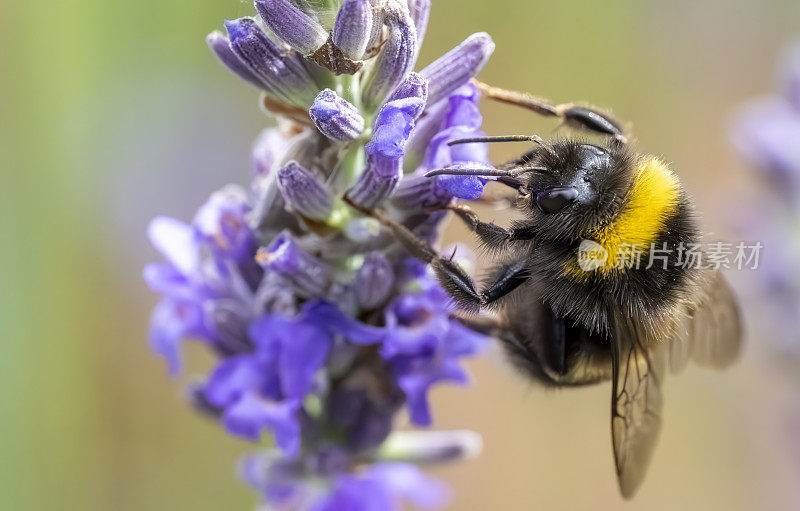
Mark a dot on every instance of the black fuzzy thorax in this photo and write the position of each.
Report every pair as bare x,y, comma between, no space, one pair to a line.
646,294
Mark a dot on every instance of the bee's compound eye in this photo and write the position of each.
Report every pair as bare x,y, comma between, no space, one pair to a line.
555,199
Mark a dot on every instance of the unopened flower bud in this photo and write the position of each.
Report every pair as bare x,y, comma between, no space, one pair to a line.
282,71
220,45
353,27
303,192
335,117
397,56
457,66
309,275
420,12
414,86
374,280
299,30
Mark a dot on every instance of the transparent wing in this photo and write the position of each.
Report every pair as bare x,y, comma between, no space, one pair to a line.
710,332
638,367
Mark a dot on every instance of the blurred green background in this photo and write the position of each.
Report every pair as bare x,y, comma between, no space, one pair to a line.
114,111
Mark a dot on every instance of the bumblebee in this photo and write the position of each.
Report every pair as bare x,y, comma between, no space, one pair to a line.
572,309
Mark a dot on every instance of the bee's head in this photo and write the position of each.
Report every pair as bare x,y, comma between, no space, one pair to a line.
579,186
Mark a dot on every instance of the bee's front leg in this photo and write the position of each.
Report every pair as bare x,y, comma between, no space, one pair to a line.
451,276
492,235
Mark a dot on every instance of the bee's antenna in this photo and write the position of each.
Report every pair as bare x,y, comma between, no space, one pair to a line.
505,138
469,171
501,138
483,171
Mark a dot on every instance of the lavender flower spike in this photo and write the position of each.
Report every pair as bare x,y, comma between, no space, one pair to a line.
303,192
335,117
397,57
353,28
323,328
294,26
457,66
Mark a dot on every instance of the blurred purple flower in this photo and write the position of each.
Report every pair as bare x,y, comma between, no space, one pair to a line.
767,132
383,487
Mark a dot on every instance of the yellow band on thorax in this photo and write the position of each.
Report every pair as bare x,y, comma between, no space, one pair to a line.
653,198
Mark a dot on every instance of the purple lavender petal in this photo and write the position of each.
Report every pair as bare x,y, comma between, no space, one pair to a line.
424,346
374,280
336,322
220,45
267,151
177,242
457,66
171,322
392,128
767,134
357,494
295,27
231,379
417,384
335,117
166,279
304,349
353,27
277,478
408,481
303,192
396,58
462,187
252,414
222,225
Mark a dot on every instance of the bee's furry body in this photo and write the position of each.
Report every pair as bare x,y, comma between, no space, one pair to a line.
564,323
558,291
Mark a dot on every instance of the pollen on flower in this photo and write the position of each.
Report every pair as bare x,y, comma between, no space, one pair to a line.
264,256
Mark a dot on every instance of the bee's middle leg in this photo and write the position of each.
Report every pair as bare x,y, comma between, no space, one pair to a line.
506,277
